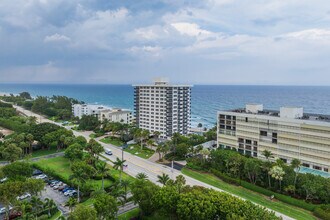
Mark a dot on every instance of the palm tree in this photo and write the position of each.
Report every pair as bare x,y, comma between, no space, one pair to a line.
144,136
24,207
49,204
156,135
295,164
159,150
205,153
150,143
119,165
125,184
103,170
36,204
72,202
268,154
30,139
141,176
163,179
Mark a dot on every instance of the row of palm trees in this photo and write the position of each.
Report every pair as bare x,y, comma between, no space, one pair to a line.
33,208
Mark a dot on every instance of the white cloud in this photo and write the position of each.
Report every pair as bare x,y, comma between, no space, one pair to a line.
56,38
190,29
311,34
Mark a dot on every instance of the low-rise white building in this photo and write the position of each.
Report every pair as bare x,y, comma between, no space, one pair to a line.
79,110
116,115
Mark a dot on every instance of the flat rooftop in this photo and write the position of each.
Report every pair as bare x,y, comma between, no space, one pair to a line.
274,113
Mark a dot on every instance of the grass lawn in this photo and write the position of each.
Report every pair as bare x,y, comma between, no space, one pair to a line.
278,206
112,140
39,153
130,214
136,150
88,202
93,135
135,212
61,166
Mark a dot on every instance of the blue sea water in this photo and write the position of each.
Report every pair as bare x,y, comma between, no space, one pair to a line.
206,99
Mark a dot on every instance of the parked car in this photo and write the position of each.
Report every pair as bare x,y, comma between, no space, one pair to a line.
3,209
72,194
3,180
36,172
56,186
61,188
41,176
67,189
108,152
24,196
51,181
69,192
54,183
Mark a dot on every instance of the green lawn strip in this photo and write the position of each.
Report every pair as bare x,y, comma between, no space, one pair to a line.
112,140
278,206
130,214
56,216
40,153
61,166
88,202
136,150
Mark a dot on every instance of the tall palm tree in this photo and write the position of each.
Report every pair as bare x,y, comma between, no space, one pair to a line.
141,176
103,170
268,154
119,165
24,207
49,204
163,179
125,184
156,135
30,139
295,164
150,143
144,136
72,202
159,150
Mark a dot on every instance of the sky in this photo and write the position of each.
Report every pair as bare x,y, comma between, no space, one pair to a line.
252,42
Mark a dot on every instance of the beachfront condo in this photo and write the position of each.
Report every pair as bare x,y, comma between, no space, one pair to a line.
163,107
102,113
288,134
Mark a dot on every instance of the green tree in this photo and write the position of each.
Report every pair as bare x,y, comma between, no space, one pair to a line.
72,202
8,193
74,152
34,186
163,179
18,170
81,173
295,164
12,152
141,176
105,206
102,170
119,165
48,205
166,200
25,95
37,204
252,169
180,182
82,212
277,173
142,194
268,154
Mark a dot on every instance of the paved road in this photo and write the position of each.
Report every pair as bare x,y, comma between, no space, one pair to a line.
136,164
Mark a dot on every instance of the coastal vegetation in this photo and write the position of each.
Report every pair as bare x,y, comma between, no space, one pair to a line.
273,179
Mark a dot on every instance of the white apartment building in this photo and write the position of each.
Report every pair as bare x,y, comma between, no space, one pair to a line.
79,110
163,107
288,134
116,115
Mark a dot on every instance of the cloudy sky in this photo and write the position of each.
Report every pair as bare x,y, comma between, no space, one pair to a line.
277,42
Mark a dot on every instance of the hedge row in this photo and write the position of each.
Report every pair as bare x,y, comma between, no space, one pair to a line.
323,212
225,178
281,197
266,192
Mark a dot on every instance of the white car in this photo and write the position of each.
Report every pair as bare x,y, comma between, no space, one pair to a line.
24,196
3,210
69,192
41,176
108,152
3,180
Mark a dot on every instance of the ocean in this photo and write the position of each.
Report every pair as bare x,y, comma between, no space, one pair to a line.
206,99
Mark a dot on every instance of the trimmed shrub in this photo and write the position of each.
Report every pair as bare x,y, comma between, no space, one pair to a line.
323,212
225,178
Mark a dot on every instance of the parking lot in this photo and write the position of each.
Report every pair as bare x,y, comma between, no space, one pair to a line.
58,198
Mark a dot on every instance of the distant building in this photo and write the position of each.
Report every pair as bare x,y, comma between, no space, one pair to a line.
116,115
79,110
288,134
163,107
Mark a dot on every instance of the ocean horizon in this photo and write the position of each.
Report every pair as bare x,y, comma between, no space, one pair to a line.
206,99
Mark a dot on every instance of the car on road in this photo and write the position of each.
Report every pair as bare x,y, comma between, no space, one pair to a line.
108,152
24,196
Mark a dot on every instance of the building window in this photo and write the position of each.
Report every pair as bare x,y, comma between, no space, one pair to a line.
246,119
263,133
274,141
